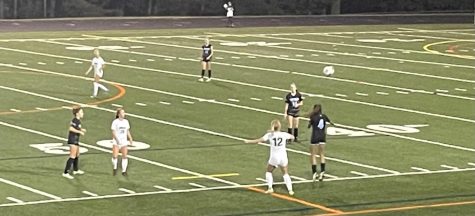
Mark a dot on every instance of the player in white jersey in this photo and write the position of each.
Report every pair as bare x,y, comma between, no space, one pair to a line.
97,64
278,154
122,138
229,13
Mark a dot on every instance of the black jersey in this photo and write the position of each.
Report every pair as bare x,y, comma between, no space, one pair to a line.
293,101
318,123
73,138
207,51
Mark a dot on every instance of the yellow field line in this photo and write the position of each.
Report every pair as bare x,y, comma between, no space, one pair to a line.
214,175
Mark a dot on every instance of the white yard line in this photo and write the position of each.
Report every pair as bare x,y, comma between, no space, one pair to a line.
420,169
164,103
24,187
188,102
90,193
162,188
197,185
256,99
233,100
261,179
15,110
298,178
126,191
116,105
15,200
382,93
449,167
361,94
140,104
359,173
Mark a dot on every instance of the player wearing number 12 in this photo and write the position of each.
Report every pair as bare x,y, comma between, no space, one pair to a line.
75,130
278,154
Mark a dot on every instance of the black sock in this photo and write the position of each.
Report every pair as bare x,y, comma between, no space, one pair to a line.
209,73
75,164
314,168
68,165
322,167
289,130
296,132
202,73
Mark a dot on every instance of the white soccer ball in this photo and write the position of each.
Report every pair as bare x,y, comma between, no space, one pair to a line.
328,70
225,6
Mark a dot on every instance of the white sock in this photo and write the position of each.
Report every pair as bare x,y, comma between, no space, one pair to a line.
269,179
125,162
102,87
114,163
96,89
288,182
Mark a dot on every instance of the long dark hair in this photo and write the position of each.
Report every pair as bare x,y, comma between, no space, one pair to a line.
117,112
317,110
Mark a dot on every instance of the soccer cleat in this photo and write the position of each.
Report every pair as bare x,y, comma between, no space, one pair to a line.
124,173
322,175
114,172
66,175
78,172
201,79
291,193
92,96
270,190
315,176
208,79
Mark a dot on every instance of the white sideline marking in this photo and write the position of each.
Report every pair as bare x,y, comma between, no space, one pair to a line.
284,56
442,90
230,187
167,59
359,173
331,176
127,191
41,109
277,98
261,179
132,60
341,95
256,99
402,92
251,57
315,55
67,107
449,167
140,104
298,178
15,200
197,185
298,55
188,102
235,57
219,58
233,100
382,93
60,63
78,62
420,169
137,47
361,94
15,110
162,188
417,125
24,64
164,103
41,63
115,61
24,187
116,105
471,164
461,89
151,60
90,193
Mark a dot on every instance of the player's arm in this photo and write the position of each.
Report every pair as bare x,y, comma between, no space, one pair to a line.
211,52
74,130
255,140
328,120
291,137
286,108
129,135
89,70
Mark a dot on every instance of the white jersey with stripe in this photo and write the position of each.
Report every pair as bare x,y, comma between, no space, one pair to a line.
98,64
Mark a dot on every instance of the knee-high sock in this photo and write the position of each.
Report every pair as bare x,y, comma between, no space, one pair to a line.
102,87
76,164
96,89
68,165
125,162
288,182
269,180
114,163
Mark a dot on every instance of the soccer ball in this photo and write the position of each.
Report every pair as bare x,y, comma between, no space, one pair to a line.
328,70
225,6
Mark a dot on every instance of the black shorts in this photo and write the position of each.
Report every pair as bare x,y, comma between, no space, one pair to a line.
206,60
293,113
77,144
317,141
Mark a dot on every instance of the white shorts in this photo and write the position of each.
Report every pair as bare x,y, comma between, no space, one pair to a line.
278,161
122,143
99,74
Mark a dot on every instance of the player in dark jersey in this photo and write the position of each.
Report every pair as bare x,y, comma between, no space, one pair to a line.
293,102
206,55
318,122
75,130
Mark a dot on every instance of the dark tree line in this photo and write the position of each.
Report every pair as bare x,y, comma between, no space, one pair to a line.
84,8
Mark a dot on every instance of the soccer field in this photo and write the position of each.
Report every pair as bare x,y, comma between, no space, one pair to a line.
402,98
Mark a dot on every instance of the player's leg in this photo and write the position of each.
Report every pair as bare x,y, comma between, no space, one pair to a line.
287,180
290,122
125,161
296,128
115,154
70,161
76,170
97,79
313,160
203,69
208,67
321,153
269,178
